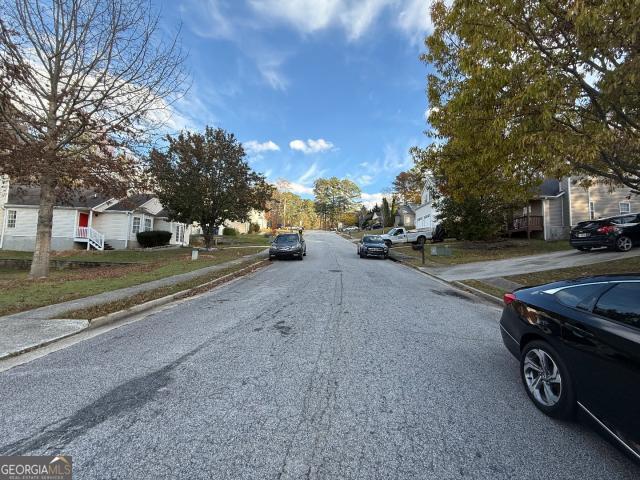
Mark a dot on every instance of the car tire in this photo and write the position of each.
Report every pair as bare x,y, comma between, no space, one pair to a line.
584,249
301,257
623,243
388,243
552,392
271,258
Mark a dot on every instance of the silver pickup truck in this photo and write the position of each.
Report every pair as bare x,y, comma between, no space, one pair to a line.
402,235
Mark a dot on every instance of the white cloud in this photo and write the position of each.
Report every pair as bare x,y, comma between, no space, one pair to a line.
311,146
298,188
415,19
208,18
370,199
254,147
355,17
312,173
364,180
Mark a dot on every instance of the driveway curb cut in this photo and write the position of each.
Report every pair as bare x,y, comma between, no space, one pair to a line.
122,314
45,343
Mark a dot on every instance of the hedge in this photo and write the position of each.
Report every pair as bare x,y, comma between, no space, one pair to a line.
232,232
153,238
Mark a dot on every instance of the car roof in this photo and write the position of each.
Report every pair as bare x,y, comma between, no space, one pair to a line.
612,217
594,279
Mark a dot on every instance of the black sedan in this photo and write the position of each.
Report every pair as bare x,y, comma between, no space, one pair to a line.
621,232
578,343
372,246
288,245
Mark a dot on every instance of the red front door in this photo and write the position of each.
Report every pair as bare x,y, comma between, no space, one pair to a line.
83,220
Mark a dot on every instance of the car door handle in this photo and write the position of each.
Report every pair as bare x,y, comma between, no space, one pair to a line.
578,332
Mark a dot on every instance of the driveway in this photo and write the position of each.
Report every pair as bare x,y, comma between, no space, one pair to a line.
533,263
331,368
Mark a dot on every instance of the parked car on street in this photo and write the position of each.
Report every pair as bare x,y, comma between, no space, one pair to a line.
372,246
288,245
621,233
578,343
350,229
402,235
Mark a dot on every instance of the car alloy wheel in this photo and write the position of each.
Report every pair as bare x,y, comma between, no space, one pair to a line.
542,377
547,380
623,244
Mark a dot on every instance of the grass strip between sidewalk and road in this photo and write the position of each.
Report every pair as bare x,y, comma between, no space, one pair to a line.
191,287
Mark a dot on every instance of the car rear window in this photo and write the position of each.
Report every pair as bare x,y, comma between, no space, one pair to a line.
621,303
580,296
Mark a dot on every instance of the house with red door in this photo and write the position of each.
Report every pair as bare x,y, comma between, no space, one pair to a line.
84,219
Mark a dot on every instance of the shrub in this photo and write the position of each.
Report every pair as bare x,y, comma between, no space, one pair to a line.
153,238
228,231
254,228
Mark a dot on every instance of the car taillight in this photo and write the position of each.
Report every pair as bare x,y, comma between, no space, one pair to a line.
607,229
509,298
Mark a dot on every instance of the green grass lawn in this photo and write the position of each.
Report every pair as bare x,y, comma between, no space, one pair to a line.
467,252
626,265
19,293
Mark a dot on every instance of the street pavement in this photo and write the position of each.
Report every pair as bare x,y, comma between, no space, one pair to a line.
335,368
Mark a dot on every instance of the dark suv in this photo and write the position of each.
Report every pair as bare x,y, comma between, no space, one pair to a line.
620,232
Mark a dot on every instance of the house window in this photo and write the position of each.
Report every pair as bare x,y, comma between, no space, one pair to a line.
592,211
136,225
147,224
625,207
11,218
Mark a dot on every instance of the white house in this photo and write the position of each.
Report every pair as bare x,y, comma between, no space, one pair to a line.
426,214
85,220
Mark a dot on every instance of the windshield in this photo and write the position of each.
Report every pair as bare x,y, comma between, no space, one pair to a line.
372,239
287,239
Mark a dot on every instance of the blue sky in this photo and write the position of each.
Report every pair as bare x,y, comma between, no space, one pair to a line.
311,87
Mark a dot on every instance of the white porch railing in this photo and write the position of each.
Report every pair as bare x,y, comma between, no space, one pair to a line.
90,235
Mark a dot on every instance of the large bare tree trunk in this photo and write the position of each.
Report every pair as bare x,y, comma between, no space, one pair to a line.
40,262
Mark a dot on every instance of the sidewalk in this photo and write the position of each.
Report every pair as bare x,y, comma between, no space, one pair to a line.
38,327
519,265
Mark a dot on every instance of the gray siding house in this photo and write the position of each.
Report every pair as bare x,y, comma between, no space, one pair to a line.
562,204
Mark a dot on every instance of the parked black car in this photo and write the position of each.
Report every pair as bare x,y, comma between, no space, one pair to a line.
578,342
288,245
372,246
621,232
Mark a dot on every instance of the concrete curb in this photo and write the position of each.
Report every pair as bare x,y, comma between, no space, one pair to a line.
477,292
455,283
127,312
122,314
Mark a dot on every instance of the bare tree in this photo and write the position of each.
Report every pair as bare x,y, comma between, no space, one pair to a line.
82,83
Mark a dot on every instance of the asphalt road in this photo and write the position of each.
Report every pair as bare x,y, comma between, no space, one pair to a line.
333,368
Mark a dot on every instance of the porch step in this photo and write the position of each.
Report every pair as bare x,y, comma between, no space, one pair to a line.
107,246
